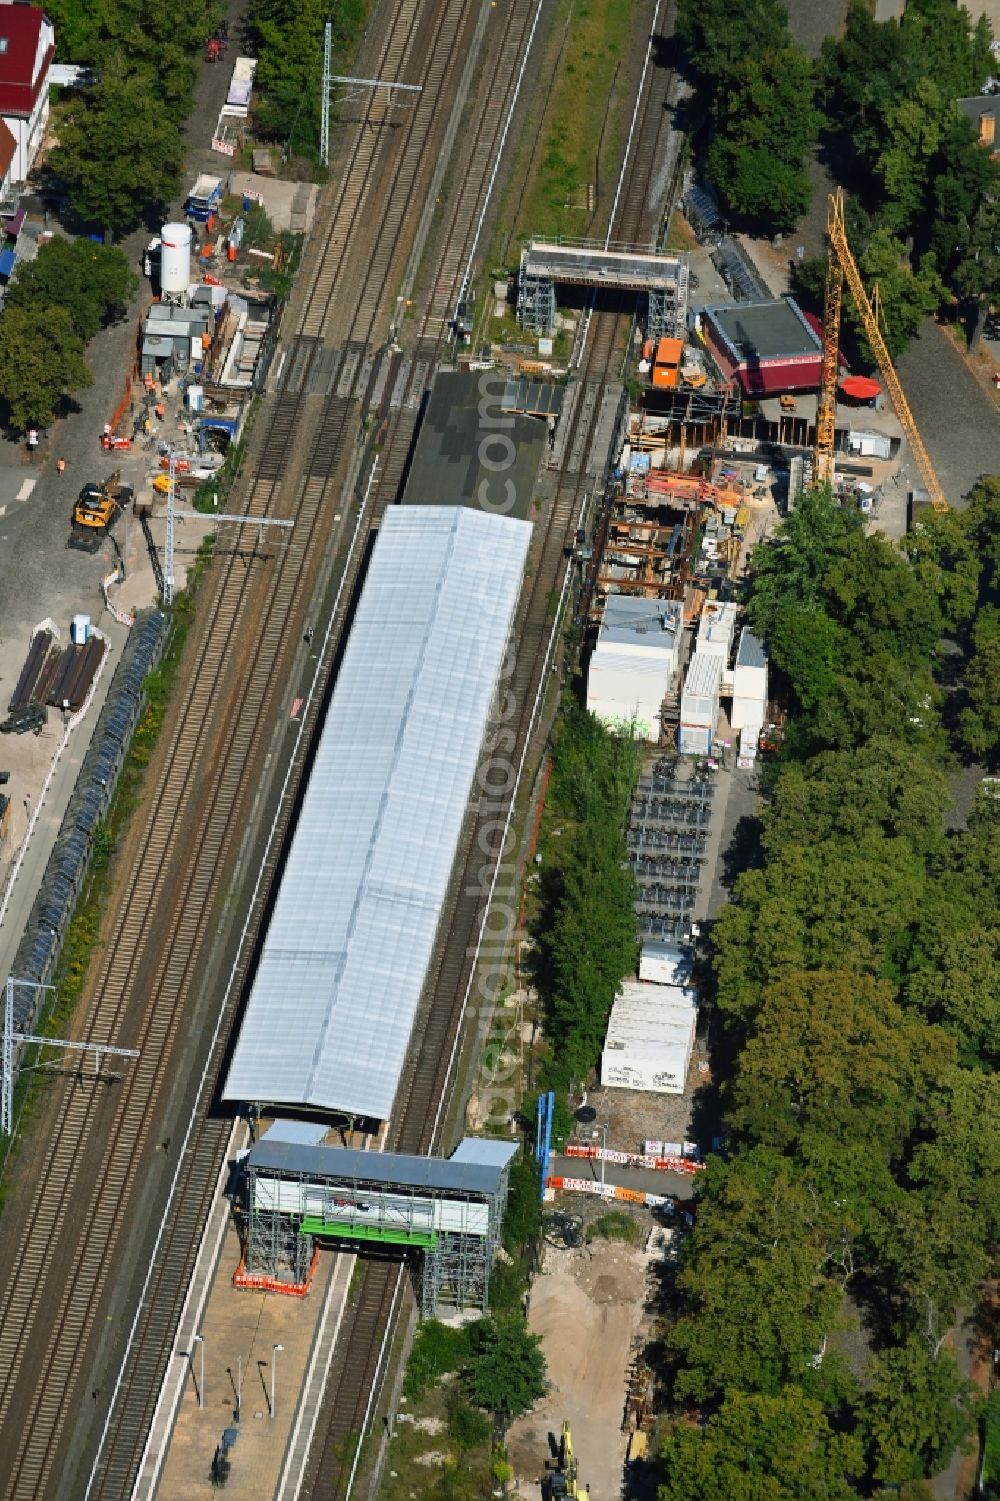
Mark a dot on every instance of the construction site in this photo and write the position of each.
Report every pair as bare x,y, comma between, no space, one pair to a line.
285,1008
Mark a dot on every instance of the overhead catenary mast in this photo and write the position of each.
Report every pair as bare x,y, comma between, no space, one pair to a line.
213,519
330,78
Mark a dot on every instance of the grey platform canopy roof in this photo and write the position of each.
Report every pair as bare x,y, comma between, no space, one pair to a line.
476,1166
334,998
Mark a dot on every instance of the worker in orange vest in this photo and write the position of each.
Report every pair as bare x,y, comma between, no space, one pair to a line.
61,466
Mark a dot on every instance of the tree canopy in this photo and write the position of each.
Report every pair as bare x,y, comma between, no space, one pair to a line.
765,129
120,148
755,91
888,93
586,922
762,1448
289,44
119,152
917,1410
41,362
858,1029
758,1291
506,1368
94,283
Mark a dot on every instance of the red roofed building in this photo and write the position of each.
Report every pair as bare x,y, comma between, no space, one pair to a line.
27,46
769,346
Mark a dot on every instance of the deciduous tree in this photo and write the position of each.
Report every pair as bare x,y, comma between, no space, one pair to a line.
980,719
906,296
832,1052
119,152
720,37
92,282
777,1447
918,1409
765,129
884,786
978,274
41,361
830,905
758,1293
506,1370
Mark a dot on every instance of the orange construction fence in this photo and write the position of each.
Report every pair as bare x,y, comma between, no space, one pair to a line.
660,1164
257,1282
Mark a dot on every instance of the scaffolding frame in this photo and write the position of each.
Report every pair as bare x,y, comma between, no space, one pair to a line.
280,1237
536,302
666,316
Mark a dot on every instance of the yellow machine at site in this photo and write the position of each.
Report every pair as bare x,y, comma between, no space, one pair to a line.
561,1483
98,506
841,265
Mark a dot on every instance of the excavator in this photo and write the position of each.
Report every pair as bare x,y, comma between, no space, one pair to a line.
842,266
561,1482
99,505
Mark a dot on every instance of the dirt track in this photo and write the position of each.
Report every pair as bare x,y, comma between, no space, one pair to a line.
587,1305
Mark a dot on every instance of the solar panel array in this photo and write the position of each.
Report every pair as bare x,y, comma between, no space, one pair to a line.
333,1002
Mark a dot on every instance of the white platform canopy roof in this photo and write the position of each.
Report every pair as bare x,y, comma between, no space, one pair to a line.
333,1002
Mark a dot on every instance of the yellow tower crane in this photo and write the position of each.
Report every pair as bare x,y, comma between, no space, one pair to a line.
841,264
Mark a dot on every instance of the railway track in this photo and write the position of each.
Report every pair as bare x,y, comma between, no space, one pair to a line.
62,1269
358,1371
65,1262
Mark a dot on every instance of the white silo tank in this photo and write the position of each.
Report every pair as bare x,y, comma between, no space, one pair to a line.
175,259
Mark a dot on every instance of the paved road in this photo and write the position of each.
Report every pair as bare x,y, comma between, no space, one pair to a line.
644,1180
39,576
958,420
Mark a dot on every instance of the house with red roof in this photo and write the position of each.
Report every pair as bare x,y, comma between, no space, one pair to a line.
27,46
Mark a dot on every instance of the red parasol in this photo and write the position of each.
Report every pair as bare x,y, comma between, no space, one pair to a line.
860,387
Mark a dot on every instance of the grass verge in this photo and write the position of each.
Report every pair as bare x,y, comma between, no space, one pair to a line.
578,143
615,1225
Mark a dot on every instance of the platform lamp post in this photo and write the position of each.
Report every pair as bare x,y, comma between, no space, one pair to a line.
199,1340
274,1363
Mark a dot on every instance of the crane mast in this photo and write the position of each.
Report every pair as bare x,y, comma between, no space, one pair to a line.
841,265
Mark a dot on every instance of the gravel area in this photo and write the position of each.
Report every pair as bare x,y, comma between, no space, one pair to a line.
588,1307
958,420
812,20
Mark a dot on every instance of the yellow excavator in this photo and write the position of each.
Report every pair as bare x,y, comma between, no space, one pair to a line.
840,265
98,506
561,1482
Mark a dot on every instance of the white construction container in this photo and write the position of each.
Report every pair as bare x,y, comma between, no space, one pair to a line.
650,1038
746,755
700,704
717,628
175,259
635,662
79,630
664,964
749,685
